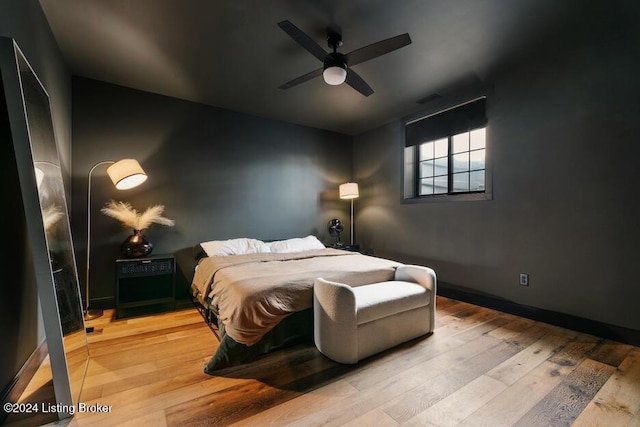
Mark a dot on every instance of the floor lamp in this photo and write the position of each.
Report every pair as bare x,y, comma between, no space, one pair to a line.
349,191
125,174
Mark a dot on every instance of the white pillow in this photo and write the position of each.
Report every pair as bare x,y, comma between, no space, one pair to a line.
297,244
240,246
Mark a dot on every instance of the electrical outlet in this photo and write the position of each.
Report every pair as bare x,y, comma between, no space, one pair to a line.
524,279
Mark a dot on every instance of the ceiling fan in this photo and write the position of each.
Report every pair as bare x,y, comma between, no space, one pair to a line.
337,66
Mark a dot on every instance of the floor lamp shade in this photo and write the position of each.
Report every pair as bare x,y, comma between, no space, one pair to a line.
349,191
126,173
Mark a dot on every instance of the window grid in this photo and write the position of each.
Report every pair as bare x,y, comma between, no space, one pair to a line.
453,165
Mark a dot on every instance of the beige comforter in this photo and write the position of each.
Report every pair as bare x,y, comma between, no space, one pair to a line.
253,293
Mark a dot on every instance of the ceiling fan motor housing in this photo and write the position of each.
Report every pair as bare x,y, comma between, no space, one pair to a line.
334,38
335,59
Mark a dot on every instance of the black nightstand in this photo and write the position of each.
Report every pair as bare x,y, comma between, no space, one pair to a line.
145,285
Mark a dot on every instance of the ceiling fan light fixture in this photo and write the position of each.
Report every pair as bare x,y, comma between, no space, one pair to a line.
334,75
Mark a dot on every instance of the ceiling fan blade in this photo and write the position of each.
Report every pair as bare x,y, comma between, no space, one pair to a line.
377,49
302,79
304,40
355,81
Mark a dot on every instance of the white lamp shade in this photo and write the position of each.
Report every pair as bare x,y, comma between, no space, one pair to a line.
349,190
126,174
334,75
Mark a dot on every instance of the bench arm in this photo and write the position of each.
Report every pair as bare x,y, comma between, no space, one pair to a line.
424,276
334,304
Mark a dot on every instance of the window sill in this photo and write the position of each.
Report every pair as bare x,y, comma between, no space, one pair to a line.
466,197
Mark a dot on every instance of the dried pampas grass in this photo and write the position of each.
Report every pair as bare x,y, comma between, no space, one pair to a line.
51,215
130,217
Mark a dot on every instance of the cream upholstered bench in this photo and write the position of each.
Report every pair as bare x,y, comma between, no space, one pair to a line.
351,323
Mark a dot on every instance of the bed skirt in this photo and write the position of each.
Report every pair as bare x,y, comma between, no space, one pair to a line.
295,329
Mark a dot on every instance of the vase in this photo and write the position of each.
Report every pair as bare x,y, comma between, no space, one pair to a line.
136,246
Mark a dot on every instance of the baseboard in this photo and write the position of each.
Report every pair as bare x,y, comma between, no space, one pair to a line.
580,324
19,383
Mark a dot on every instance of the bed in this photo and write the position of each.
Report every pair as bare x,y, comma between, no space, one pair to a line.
258,296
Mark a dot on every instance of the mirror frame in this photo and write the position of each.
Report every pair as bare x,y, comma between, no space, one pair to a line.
67,389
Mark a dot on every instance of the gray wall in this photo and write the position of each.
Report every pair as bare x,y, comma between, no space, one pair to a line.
24,21
21,332
220,174
563,137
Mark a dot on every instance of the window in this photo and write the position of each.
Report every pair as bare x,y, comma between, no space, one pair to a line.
445,153
452,165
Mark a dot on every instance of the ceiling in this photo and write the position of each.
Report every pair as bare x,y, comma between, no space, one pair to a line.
232,54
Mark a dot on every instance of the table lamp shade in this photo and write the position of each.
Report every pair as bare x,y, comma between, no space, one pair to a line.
126,173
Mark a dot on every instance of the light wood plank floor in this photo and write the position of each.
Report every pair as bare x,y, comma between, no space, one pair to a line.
480,368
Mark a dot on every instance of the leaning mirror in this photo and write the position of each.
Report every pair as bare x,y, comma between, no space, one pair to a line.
43,193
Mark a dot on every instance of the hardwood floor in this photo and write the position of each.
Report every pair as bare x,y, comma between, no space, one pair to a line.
480,368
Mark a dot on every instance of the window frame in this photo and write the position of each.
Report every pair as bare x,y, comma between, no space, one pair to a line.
411,173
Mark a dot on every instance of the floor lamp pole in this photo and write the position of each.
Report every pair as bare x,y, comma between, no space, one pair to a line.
350,191
352,221
91,313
